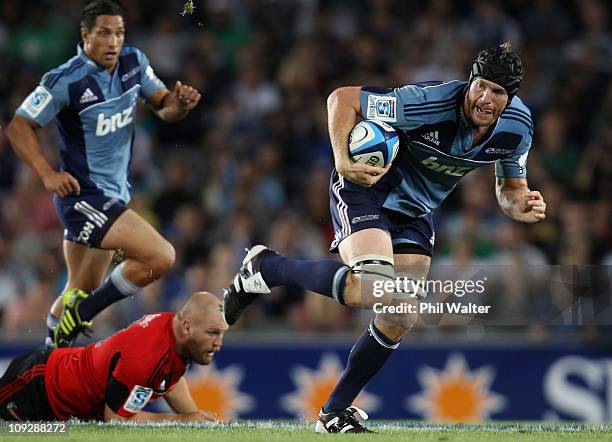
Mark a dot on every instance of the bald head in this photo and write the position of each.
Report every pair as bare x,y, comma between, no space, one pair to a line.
202,306
199,327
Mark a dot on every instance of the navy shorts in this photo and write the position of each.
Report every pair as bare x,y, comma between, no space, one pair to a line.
355,208
86,219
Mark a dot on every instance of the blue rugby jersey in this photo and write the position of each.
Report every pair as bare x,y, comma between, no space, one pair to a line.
436,142
96,114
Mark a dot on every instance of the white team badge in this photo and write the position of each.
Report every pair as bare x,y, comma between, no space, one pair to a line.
523,162
37,101
139,397
382,108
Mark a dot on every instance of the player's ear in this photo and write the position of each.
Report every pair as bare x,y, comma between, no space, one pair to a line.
84,33
186,326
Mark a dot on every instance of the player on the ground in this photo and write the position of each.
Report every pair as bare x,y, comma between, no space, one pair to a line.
115,378
93,99
383,216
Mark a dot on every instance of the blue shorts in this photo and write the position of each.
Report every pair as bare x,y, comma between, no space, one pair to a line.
86,219
355,208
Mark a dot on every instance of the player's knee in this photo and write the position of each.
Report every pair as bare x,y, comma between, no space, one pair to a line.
403,321
168,258
163,261
395,325
394,332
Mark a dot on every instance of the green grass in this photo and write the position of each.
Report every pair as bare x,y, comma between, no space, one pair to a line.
272,431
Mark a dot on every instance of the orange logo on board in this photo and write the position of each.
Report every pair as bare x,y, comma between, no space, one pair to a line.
217,390
456,394
315,386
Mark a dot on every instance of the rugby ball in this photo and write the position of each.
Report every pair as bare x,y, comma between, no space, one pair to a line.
374,143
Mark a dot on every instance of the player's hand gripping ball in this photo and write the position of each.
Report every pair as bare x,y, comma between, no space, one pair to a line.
374,143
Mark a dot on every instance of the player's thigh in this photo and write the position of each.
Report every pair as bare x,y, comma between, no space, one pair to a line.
366,242
362,238
87,266
364,282
413,264
137,238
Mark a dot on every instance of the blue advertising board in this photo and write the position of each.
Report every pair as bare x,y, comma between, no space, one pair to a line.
440,384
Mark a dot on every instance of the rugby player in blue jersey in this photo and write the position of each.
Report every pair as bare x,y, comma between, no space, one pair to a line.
383,216
93,97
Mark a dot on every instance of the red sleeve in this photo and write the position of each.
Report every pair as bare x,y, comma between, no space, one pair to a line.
127,390
139,355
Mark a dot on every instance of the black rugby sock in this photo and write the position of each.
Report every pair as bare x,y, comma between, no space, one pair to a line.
114,288
367,357
325,277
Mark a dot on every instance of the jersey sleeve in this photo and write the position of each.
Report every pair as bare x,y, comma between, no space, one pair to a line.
515,165
389,105
46,101
127,390
149,81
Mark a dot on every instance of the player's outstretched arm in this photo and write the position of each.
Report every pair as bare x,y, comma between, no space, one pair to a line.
518,202
21,133
181,401
199,415
172,106
343,106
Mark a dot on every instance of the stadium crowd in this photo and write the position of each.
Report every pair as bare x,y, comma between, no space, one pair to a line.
251,163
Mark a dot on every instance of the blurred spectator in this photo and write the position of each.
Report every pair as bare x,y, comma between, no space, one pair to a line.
488,24
45,40
252,162
559,158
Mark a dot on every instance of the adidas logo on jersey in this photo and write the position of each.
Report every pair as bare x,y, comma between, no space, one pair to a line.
88,96
432,136
117,121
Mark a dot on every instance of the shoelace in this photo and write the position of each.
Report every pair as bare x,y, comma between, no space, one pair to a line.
244,272
348,418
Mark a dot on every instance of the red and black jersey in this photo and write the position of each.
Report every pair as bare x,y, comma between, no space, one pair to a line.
125,371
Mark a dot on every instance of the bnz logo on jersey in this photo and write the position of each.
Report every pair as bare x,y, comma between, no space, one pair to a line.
116,121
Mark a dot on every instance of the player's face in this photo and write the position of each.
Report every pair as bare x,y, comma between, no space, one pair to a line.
103,42
484,102
206,340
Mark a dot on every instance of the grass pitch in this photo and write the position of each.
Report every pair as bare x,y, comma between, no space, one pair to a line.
273,431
